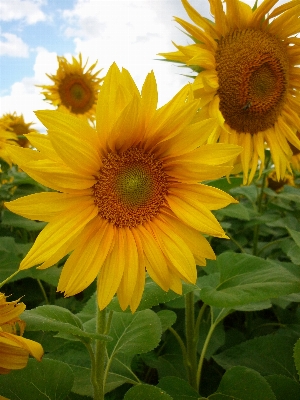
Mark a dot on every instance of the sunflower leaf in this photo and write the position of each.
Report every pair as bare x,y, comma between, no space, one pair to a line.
54,318
246,279
146,392
50,379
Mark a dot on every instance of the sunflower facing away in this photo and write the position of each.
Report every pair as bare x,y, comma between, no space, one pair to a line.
248,77
75,90
12,122
14,349
128,194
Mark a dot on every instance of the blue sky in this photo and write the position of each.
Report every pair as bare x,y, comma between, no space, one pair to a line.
130,32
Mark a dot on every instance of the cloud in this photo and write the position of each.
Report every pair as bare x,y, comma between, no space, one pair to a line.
25,97
12,46
131,33
29,10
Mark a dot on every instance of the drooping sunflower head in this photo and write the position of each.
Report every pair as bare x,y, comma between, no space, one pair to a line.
278,185
128,195
14,349
249,77
75,88
12,122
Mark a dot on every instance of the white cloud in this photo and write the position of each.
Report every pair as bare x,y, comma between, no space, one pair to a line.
25,97
12,46
29,10
131,33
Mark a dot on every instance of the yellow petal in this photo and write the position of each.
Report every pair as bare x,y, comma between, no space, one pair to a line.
46,205
58,232
87,259
155,261
196,215
128,282
112,271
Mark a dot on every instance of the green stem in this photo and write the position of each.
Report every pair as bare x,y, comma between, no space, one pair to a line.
182,346
100,356
9,278
198,321
43,291
191,345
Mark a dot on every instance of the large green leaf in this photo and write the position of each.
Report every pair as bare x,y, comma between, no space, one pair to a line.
268,355
296,356
146,392
134,333
283,387
17,221
47,380
245,384
246,279
178,388
54,318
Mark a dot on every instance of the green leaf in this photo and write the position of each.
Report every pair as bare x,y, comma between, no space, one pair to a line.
295,235
154,295
167,319
178,388
238,211
48,380
146,392
296,356
134,333
245,384
120,372
54,318
283,387
246,279
17,221
268,355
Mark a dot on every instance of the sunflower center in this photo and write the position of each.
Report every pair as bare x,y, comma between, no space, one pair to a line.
252,68
130,188
76,94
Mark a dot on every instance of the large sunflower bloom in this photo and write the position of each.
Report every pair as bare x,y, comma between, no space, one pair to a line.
14,349
129,193
75,90
12,122
248,64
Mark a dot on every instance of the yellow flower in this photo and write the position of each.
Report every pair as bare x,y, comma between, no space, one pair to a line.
6,138
295,160
74,89
248,77
14,349
129,193
16,124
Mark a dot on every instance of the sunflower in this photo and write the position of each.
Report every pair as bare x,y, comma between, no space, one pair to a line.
75,90
6,138
14,349
278,185
12,122
248,77
128,193
295,160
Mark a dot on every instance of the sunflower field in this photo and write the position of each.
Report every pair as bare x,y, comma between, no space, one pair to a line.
154,253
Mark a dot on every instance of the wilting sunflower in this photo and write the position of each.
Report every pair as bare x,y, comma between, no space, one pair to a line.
129,193
12,122
248,77
14,349
75,90
278,185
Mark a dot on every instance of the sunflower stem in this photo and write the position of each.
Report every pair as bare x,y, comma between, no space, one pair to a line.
191,339
97,373
9,278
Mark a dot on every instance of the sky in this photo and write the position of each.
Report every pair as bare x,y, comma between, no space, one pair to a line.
129,32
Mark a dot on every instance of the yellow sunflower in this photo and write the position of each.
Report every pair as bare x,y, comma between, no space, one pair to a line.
6,138
248,77
14,349
295,160
128,194
75,90
12,122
